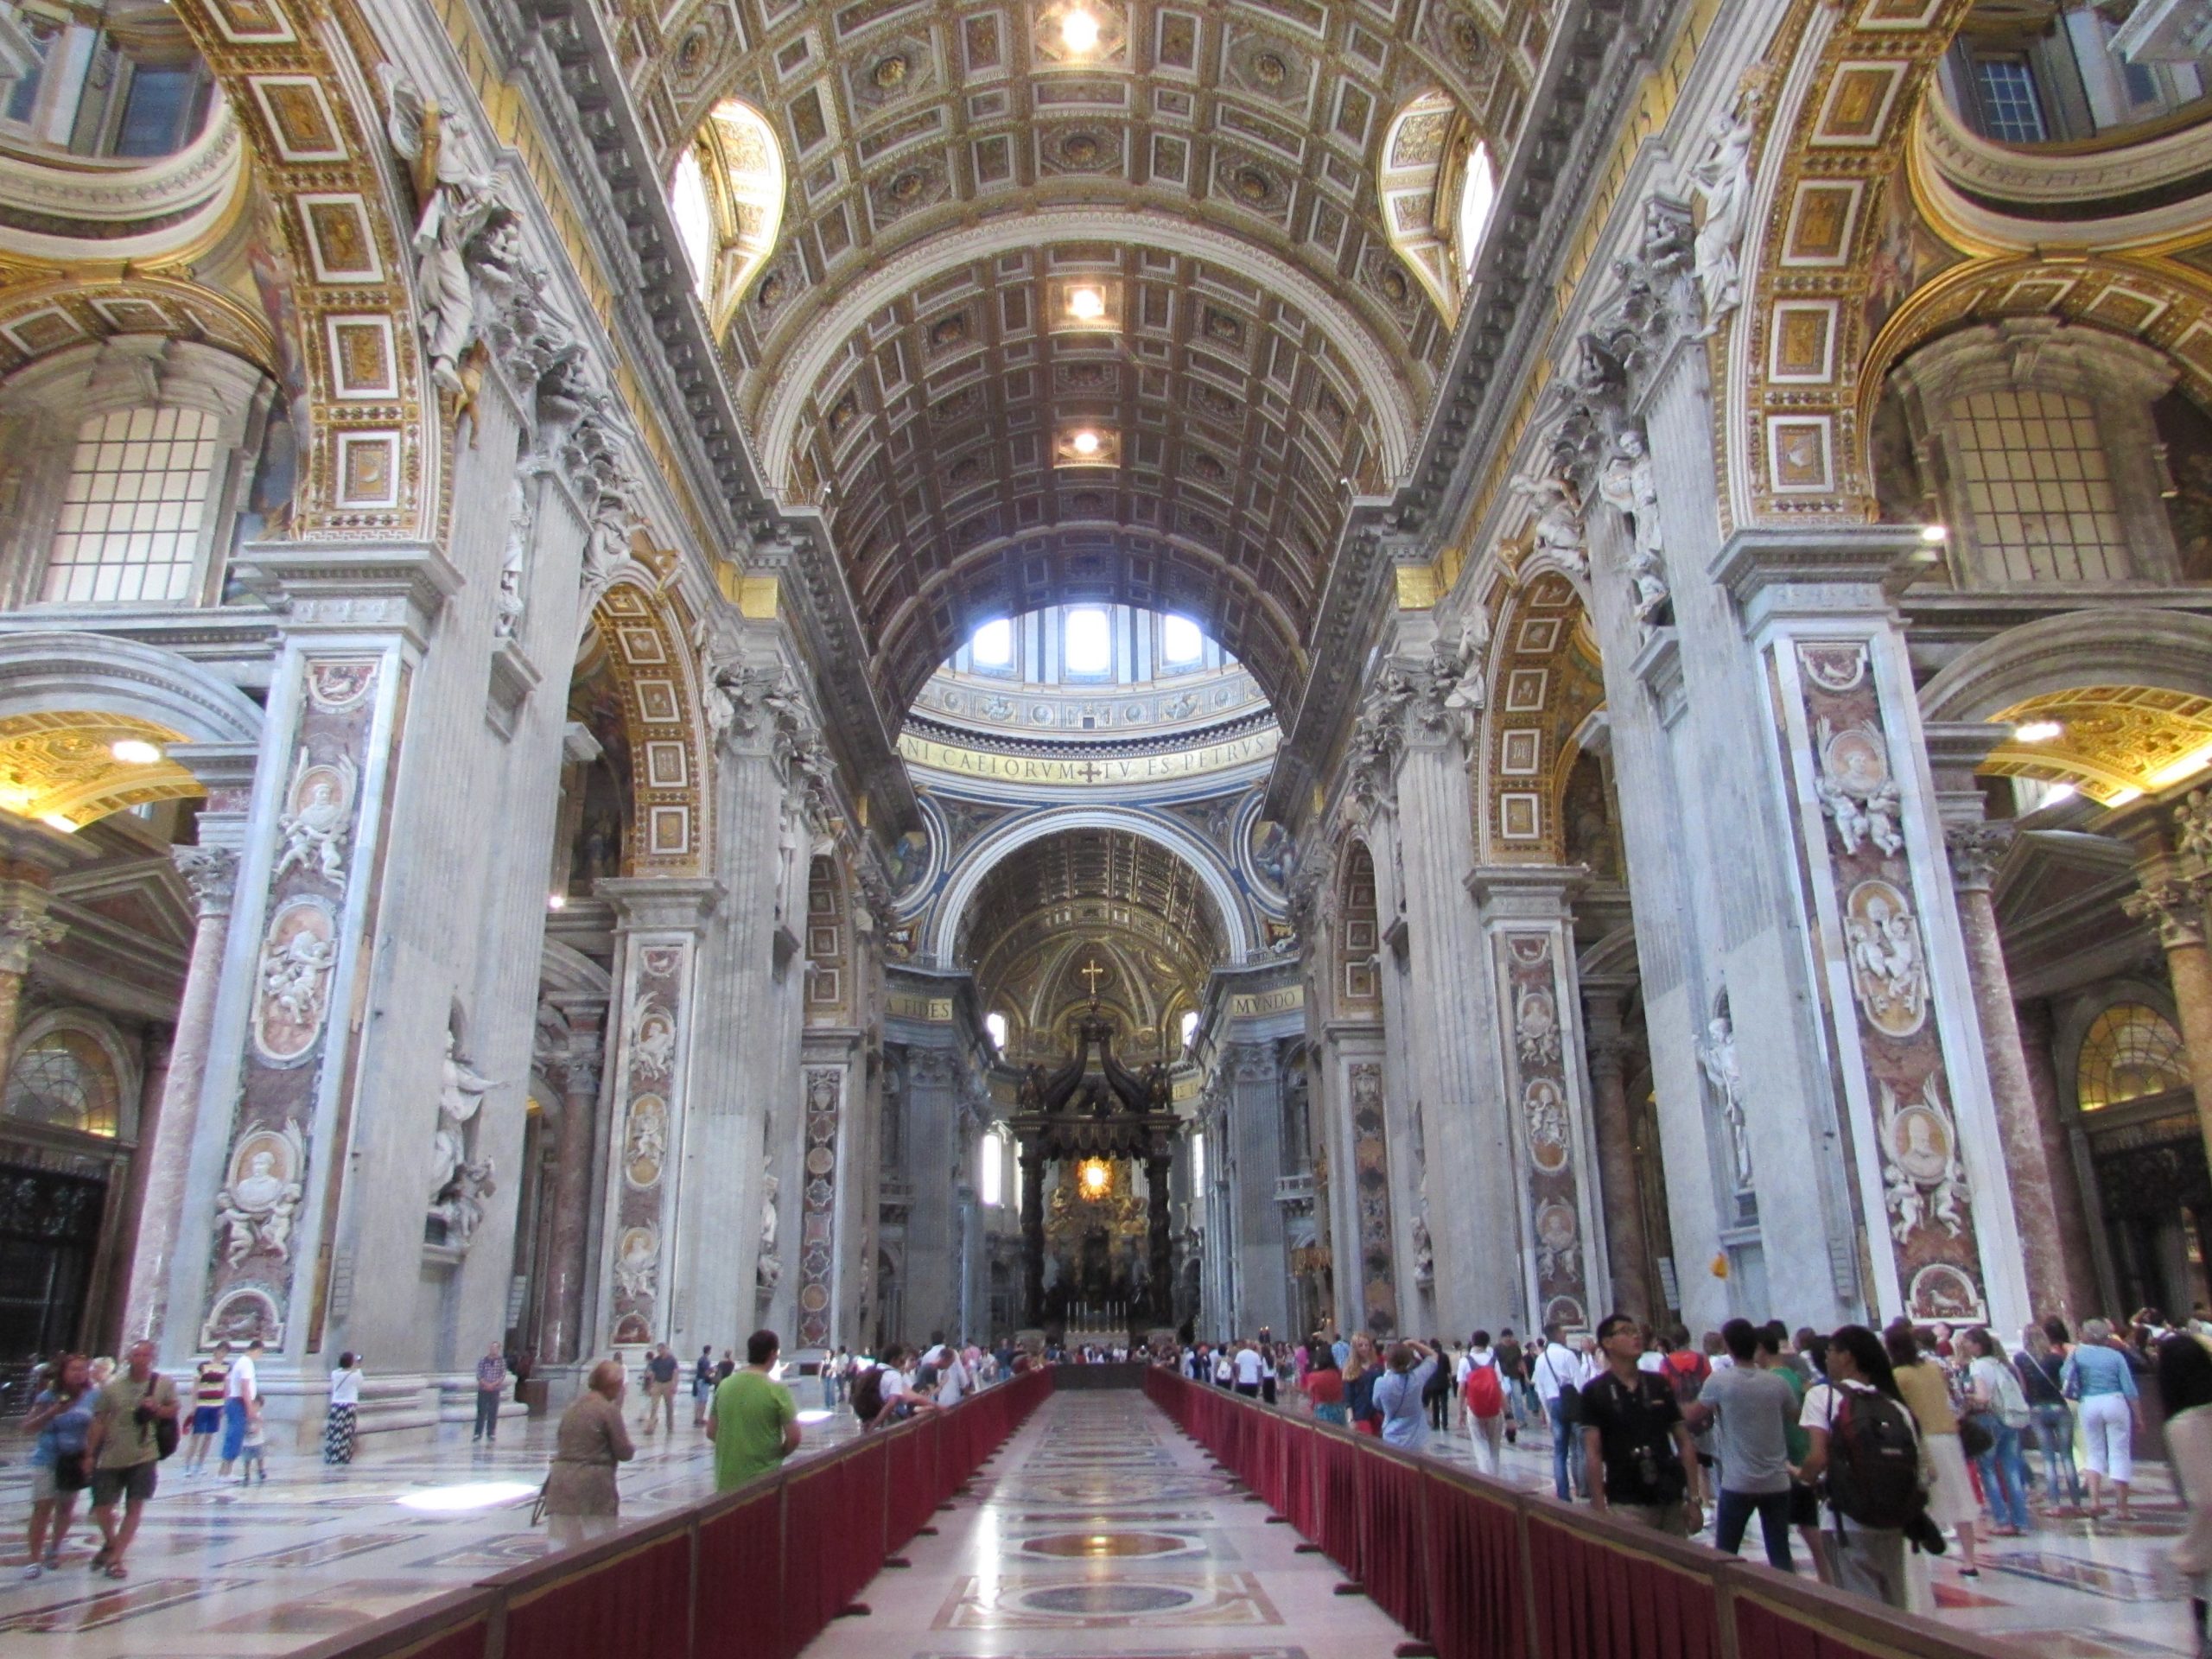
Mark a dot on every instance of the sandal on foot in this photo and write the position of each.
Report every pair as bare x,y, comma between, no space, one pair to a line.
116,1570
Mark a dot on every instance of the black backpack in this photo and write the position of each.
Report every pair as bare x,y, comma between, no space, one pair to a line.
868,1394
1873,1469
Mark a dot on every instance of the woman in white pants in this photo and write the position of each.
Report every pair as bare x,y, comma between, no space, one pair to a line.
2100,1377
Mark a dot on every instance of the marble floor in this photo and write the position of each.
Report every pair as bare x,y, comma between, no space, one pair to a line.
1098,1530
2077,1589
242,1572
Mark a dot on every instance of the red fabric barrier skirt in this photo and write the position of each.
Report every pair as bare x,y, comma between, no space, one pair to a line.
1476,1609
1301,1478
1391,1547
911,1450
1769,1631
1340,1458
740,1582
833,1538
1596,1600
469,1641
637,1603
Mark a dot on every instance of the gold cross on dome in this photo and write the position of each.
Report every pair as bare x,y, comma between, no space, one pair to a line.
1090,973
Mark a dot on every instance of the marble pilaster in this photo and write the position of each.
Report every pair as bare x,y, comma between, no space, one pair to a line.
562,1325
1254,1126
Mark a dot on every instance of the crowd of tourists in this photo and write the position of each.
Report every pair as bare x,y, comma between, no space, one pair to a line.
1850,1450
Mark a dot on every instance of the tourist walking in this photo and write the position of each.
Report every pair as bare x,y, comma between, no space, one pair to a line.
660,1388
339,1428
2041,1369
1922,1385
253,1452
1324,1385
1804,1504
1483,1399
491,1389
703,1385
1646,1462
61,1418
125,1445
2184,1372
1557,1374
1399,1392
207,1392
2099,1377
1361,1373
582,1500
1751,1412
1436,1393
1865,1452
241,1387
1999,1405
1513,1371
754,1425
1248,1366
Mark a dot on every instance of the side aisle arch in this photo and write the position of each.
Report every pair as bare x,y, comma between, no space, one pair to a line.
300,87
1545,681
643,634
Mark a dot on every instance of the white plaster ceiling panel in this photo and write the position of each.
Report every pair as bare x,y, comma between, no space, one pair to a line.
1291,351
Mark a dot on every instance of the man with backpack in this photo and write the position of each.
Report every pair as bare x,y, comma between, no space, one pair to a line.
1558,1376
1483,1394
1866,1450
133,1428
1644,1464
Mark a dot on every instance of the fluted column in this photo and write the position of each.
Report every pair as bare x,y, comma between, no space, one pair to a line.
561,1326
165,1146
1613,1124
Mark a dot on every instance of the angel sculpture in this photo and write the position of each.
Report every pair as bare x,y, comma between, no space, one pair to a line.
458,202
1558,528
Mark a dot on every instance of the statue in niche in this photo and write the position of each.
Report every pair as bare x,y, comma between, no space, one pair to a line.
460,1102
459,1208
507,604
1628,482
1424,1254
770,1270
1717,1054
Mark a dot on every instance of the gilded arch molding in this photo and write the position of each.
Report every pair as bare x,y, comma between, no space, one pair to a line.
295,73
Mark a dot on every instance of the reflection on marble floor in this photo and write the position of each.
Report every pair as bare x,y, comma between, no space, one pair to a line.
221,1569
2072,1589
1100,1530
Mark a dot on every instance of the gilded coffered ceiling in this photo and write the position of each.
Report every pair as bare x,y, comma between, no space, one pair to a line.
2112,743
1058,905
908,360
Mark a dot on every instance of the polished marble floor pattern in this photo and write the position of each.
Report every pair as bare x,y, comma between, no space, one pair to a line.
1099,1529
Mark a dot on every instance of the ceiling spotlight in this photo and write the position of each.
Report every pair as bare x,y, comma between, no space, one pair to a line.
1079,30
2036,731
135,751
556,901
1087,303
1085,443
1933,533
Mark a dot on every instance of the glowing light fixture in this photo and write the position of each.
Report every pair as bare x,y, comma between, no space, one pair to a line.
1933,533
1085,443
1088,303
135,751
1079,30
2059,792
2190,764
2036,731
2122,797
556,901
1094,1177
469,1495
66,825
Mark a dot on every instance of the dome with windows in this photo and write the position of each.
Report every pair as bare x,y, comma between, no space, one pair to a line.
1082,694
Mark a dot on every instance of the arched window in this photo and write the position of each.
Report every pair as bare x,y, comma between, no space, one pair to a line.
1188,1025
1438,185
995,1023
65,1076
2131,1052
1197,1163
726,193
1478,195
991,1173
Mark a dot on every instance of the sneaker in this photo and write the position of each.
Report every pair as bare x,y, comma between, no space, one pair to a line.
34,1571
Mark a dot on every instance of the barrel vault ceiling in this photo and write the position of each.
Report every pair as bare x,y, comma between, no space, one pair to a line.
907,359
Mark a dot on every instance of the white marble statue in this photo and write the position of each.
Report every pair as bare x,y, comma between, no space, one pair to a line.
1628,482
1717,1054
2193,826
1888,968
1722,179
292,976
461,1206
458,201
1558,528
768,1272
257,1209
507,604
460,1097
317,818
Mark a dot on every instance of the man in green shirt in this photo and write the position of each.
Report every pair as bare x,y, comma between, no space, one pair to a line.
754,1424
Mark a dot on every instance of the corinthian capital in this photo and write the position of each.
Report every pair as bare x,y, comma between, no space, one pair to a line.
212,873
2173,904
1976,850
